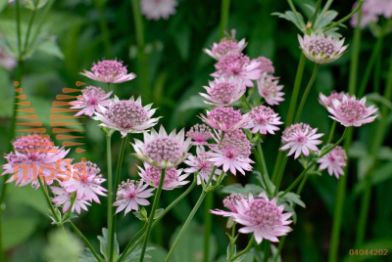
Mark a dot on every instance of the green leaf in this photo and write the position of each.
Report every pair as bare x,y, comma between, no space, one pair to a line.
17,230
194,102
34,4
239,189
50,47
324,19
292,198
104,244
63,247
295,18
27,196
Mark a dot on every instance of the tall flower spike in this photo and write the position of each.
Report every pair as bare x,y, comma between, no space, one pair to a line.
263,120
161,149
157,9
132,194
199,134
223,91
322,49
300,139
269,89
226,46
173,177
89,101
225,119
201,165
109,71
127,116
334,162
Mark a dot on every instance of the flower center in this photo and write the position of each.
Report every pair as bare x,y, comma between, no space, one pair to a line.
164,149
127,114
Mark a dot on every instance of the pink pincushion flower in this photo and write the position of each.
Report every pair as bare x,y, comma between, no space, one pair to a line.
202,165
64,198
352,112
300,139
127,116
263,120
161,149
199,134
224,91
334,161
157,9
226,46
224,119
109,71
238,66
233,153
132,194
173,177
326,101
269,89
89,101
229,202
265,65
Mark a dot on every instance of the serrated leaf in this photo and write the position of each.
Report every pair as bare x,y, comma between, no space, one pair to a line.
293,198
63,247
324,19
295,18
104,244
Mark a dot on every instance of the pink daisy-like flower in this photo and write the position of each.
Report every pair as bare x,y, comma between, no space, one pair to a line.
229,202
157,9
232,153
173,177
85,181
161,149
352,112
126,116
263,120
269,89
300,139
109,71
322,49
334,161
326,101
224,91
63,198
35,156
199,134
226,46
202,165
224,119
238,66
265,65
132,194
89,101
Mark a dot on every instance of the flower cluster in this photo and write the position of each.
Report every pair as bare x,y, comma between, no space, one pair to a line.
372,10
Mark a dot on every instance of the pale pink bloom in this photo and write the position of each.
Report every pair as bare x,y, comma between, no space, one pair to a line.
132,194
157,9
232,153
173,177
109,71
326,101
7,61
269,89
126,116
229,202
223,91
371,10
226,46
262,119
85,181
161,149
321,48
64,198
224,119
334,161
300,139
89,101
202,165
265,65
238,66
352,112
199,134
35,156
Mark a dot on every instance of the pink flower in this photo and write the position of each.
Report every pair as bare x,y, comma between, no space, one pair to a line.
173,177
202,165
229,202
199,134
109,71
224,119
126,116
239,67
334,161
352,112
224,91
300,139
233,153
263,120
269,89
89,101
63,198
226,46
265,65
326,101
7,61
371,10
157,9
132,194
161,149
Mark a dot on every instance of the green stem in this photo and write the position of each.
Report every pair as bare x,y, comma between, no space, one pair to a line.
152,213
103,24
245,250
264,170
133,243
266,250
109,213
331,132
224,20
85,240
18,28
30,25
47,199
347,17
117,176
207,225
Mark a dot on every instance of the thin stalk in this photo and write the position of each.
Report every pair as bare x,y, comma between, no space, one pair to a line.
85,240
132,243
109,213
327,6
347,17
331,132
245,250
152,213
47,199
103,24
29,27
224,20
18,28
232,242
266,250
264,174
207,225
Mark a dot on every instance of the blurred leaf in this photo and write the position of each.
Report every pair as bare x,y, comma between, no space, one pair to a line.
17,230
27,196
380,175
194,102
49,46
34,4
104,244
182,36
239,189
324,19
292,198
63,247
295,18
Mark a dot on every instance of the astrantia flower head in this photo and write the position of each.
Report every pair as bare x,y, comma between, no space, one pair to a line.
127,116
224,119
263,120
157,9
224,91
265,65
109,71
199,134
334,161
232,153
226,46
173,177
161,149
300,139
63,198
352,112
326,101
132,194
89,101
202,165
322,49
269,89
229,202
